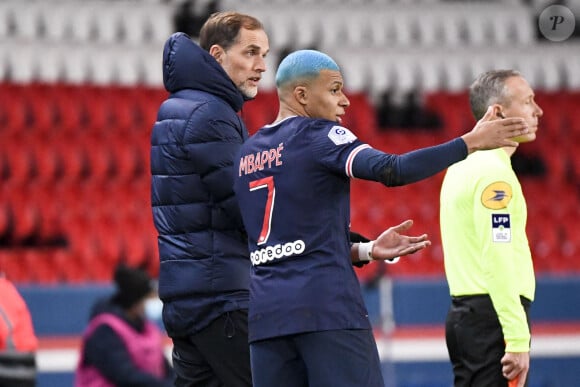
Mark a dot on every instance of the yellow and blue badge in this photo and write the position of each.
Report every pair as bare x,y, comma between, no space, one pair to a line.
500,228
497,195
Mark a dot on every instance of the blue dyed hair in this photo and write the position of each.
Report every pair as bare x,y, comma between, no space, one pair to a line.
303,64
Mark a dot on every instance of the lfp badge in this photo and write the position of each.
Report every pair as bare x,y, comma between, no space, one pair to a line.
500,228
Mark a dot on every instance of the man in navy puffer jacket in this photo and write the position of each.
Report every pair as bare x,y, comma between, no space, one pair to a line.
204,269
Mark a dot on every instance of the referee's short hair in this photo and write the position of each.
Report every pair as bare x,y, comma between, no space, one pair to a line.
489,88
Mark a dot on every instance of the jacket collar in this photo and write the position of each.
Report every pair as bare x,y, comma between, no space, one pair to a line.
187,66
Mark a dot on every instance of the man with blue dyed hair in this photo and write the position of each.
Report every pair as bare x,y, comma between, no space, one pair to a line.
308,325
303,64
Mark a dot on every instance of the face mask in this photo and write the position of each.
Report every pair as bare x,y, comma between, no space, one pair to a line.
153,309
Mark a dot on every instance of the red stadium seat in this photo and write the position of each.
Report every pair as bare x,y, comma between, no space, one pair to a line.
73,159
5,221
360,117
41,265
46,160
74,162
72,269
127,158
454,110
42,113
13,110
19,158
259,112
26,219
99,156
69,109
552,123
12,265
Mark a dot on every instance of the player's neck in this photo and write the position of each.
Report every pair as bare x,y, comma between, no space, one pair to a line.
288,111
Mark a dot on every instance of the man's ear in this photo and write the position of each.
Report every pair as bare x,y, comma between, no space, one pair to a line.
497,110
301,94
217,52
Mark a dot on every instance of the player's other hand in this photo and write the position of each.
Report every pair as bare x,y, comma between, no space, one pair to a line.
492,132
391,243
515,366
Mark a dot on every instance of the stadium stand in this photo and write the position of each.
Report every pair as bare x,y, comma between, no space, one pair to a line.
80,112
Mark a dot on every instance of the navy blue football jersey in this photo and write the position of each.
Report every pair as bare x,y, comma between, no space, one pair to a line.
293,186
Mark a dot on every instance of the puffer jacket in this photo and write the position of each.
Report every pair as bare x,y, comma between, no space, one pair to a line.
204,268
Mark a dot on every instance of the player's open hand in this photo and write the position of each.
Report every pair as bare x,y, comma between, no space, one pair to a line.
391,243
492,132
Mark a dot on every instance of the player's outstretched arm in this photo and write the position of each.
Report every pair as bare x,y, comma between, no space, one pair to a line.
491,132
390,245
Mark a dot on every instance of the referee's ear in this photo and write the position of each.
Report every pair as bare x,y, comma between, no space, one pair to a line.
497,111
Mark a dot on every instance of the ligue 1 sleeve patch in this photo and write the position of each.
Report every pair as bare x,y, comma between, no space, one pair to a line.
500,228
497,195
341,135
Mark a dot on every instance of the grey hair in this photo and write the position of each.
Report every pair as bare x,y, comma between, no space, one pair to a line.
489,88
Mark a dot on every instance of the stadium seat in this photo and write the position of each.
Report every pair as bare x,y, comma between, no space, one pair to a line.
107,22
40,266
56,20
83,29
360,116
557,165
20,160
45,160
6,221
26,220
6,19
26,19
21,63
151,62
545,245
261,111
41,110
572,70
127,161
432,74
380,29
12,265
76,66
103,66
13,112
99,157
282,27
159,22
308,29
134,24
50,70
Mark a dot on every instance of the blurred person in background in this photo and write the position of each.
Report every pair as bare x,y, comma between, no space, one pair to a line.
487,257
204,269
121,346
18,342
308,324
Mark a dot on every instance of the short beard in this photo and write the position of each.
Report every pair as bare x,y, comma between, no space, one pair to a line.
248,92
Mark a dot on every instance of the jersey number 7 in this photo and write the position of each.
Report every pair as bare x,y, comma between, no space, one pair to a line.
266,182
